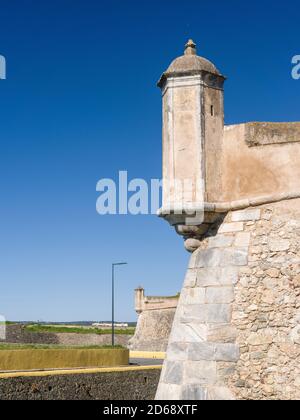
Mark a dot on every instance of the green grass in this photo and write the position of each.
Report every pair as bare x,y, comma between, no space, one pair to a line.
52,346
75,330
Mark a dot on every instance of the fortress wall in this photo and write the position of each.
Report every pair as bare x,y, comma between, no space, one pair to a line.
156,314
236,332
236,329
153,330
159,303
266,309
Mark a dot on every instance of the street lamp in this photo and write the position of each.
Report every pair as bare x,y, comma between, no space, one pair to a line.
113,301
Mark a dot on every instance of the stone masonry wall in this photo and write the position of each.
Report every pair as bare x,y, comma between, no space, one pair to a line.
20,335
153,330
236,330
133,385
266,309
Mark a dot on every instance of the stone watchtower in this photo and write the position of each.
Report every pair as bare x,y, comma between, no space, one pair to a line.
193,121
236,332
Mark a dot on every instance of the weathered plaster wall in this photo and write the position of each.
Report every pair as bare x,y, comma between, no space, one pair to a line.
236,330
249,172
182,135
213,121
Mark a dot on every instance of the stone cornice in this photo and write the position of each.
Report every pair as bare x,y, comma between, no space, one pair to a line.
224,207
193,226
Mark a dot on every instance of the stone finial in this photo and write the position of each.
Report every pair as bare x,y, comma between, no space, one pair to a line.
190,48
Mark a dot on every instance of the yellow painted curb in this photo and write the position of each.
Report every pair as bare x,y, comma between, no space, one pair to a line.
147,355
45,359
76,371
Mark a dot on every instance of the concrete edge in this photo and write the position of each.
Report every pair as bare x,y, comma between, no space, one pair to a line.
30,374
158,355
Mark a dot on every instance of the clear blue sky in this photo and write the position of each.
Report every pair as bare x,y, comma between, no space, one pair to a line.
79,104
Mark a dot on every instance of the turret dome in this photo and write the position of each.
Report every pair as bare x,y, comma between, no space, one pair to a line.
189,64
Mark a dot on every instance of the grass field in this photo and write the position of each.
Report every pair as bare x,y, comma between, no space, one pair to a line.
76,330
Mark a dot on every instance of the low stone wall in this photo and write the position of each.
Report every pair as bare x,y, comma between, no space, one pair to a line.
73,339
20,335
133,385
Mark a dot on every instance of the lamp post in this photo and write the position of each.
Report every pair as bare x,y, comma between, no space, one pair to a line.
113,301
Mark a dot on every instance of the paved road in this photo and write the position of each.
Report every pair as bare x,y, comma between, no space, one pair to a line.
146,362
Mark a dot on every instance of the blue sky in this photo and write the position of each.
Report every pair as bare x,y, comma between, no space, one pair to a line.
79,104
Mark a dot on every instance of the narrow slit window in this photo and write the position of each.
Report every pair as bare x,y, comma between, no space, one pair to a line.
212,110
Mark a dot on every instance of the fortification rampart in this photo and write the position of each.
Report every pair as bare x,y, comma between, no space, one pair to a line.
156,314
236,329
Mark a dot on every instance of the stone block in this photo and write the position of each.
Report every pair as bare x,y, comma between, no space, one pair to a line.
227,352
177,351
242,239
219,295
224,333
295,335
220,241
193,313
255,339
234,257
187,330
208,277
220,394
246,215
193,259
209,258
192,296
168,392
224,276
200,373
218,314
190,278
231,227
173,372
225,370
202,351
229,275
296,281
279,245
207,313
269,297
213,352
194,393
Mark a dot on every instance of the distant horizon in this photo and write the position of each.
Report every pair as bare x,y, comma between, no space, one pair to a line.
69,322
